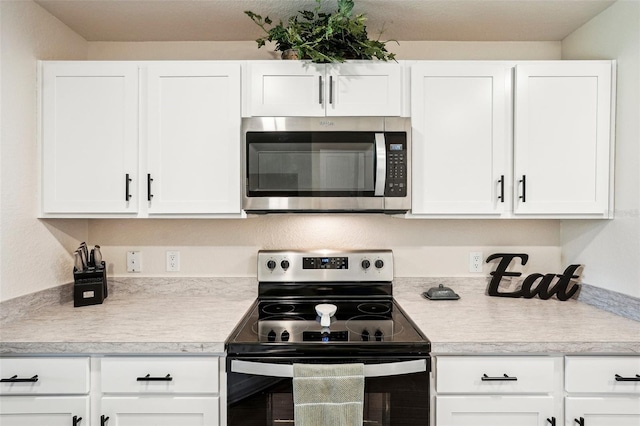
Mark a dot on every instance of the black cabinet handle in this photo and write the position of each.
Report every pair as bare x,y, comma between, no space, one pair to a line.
523,181
580,421
149,180
103,420
330,89
127,181
503,378
501,196
320,89
619,378
148,378
16,379
552,421
76,420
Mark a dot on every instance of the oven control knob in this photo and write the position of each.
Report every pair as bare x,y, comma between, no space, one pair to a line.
271,337
365,335
379,264
378,335
284,336
365,264
284,264
271,265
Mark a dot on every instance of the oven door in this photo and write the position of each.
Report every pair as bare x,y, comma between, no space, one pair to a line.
260,392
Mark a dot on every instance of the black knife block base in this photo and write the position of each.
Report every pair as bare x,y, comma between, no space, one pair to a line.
90,287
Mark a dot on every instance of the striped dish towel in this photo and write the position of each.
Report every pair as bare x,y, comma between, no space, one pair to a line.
328,395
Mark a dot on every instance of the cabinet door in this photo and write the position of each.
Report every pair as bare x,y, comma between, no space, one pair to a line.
161,411
606,411
44,411
193,131
286,89
364,89
460,118
89,137
562,138
494,410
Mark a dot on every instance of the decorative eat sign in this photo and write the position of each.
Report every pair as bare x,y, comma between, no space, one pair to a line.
543,289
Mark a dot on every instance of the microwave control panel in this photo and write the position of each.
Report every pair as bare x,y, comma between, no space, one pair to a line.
396,179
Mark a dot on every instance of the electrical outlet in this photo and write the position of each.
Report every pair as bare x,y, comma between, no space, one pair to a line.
173,261
134,261
475,261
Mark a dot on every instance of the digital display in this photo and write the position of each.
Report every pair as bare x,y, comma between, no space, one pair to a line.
395,147
325,263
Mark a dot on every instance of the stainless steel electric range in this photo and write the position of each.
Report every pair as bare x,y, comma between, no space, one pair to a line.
327,307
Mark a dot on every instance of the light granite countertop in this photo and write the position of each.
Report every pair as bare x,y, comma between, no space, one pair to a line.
195,316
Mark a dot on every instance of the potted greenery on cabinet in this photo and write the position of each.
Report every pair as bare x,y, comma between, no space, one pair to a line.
323,37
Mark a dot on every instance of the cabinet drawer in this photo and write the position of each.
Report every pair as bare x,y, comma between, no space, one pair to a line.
37,376
603,374
511,374
160,375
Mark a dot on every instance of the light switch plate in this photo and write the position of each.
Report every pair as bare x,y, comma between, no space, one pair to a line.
134,261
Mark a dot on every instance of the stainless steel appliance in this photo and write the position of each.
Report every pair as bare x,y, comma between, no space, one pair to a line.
337,164
288,324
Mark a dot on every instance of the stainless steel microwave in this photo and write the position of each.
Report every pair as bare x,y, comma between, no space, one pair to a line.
327,164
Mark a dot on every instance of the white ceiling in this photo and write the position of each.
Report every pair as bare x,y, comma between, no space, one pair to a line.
224,20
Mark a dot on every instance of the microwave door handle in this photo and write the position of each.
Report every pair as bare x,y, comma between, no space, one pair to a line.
381,165
370,370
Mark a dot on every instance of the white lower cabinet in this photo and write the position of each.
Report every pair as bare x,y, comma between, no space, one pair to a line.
602,390
498,391
602,411
44,411
159,391
160,411
494,410
44,391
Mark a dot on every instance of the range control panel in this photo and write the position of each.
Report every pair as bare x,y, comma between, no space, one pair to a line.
322,266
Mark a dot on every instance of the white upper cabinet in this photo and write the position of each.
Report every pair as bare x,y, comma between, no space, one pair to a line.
89,120
460,114
562,139
193,138
305,89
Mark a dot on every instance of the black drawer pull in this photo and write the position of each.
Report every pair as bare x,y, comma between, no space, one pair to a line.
580,421
504,378
523,181
76,420
103,420
619,378
16,379
127,181
552,421
148,378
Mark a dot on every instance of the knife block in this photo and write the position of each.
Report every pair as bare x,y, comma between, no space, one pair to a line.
90,287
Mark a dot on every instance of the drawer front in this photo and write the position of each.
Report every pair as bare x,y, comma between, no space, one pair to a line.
160,375
38,376
510,374
620,374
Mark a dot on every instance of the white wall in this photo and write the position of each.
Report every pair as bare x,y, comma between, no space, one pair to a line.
35,254
611,249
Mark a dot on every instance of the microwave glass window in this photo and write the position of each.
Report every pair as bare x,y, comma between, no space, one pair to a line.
290,163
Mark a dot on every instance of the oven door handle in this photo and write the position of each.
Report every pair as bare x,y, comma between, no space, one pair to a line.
381,165
370,370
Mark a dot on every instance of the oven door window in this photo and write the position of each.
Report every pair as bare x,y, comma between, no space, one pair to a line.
268,401
318,164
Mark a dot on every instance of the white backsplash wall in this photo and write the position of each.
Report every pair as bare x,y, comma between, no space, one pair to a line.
229,247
